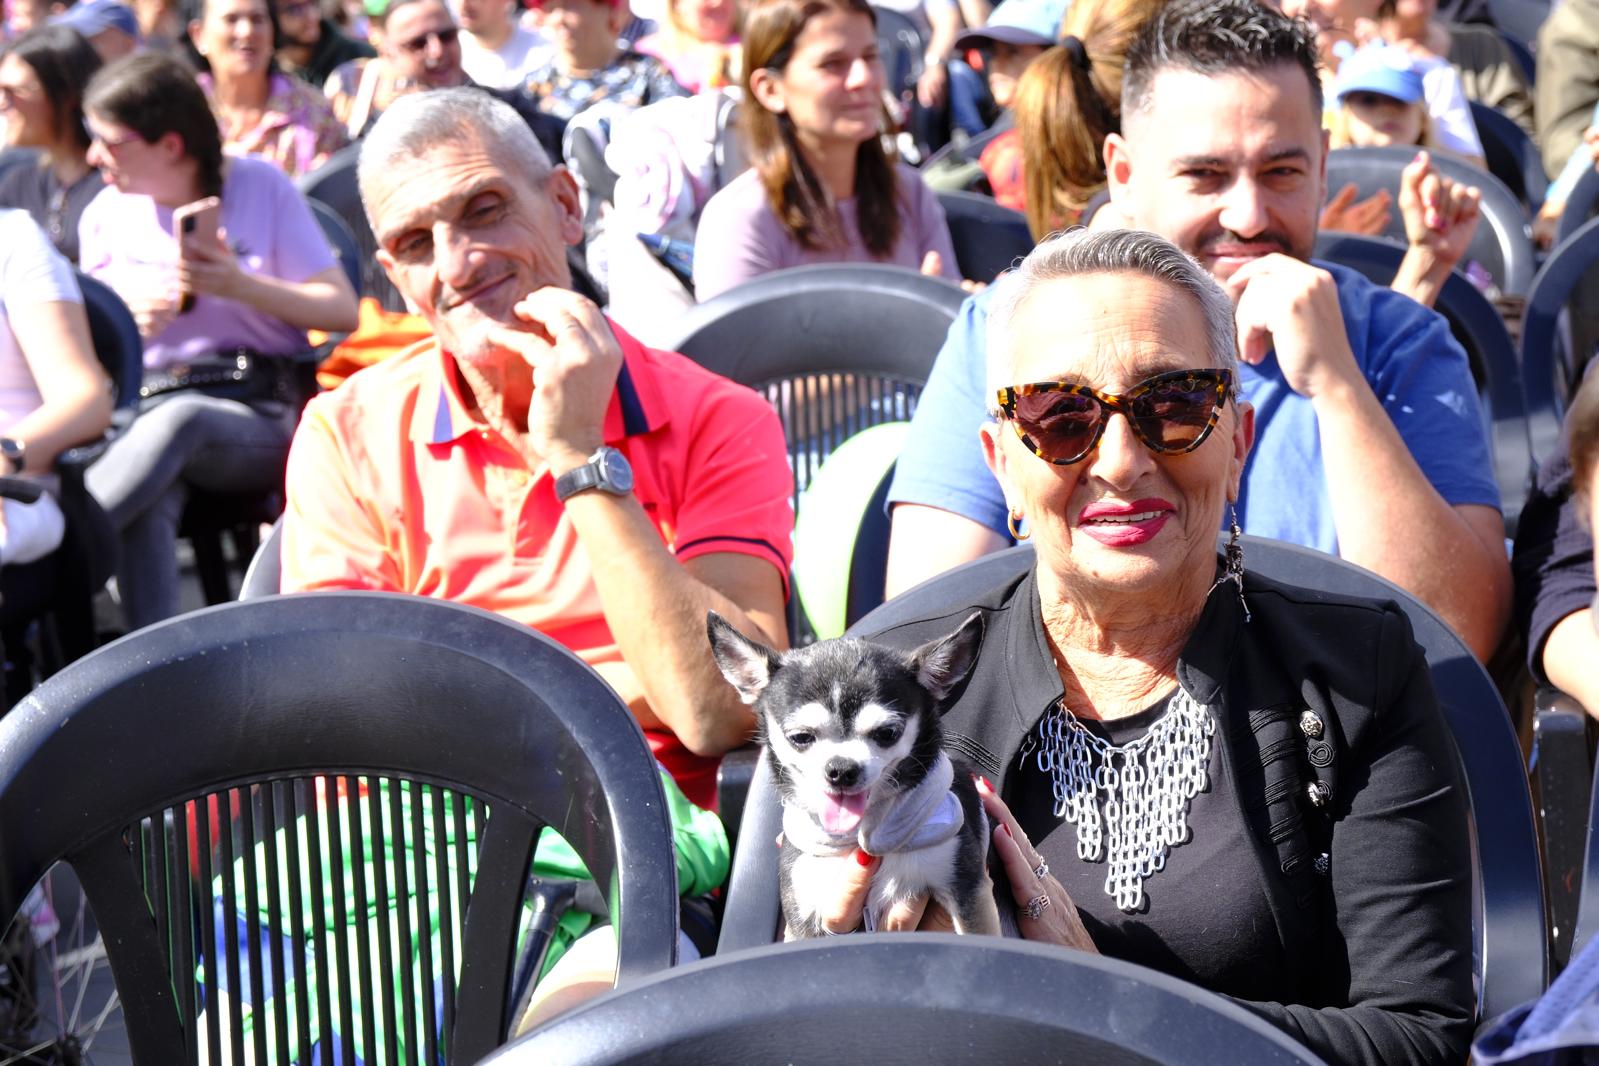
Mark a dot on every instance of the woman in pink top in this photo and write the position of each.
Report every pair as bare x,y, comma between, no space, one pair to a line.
260,110
698,42
822,188
258,281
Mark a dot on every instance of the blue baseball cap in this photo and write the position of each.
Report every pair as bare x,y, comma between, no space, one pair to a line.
1390,71
91,17
1019,22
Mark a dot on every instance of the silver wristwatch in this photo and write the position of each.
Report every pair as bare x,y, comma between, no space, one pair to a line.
606,470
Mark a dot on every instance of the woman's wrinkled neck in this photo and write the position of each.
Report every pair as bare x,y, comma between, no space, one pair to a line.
1117,651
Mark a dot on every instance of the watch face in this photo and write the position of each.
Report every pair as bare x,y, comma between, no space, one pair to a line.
616,472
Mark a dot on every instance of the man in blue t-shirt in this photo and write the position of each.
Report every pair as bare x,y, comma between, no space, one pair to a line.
1369,438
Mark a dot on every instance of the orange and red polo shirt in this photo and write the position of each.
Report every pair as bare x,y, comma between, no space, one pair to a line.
394,485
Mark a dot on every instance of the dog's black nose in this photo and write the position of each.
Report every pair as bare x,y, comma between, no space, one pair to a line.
842,773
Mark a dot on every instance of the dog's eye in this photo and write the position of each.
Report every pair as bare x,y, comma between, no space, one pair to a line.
801,740
884,736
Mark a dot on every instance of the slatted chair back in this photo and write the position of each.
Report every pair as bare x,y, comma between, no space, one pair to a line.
305,824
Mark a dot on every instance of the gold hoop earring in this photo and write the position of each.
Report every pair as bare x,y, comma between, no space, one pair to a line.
1013,521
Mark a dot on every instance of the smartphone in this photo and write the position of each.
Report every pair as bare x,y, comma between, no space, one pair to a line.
201,218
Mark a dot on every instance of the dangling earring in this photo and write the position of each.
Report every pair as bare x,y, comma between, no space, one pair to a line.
1013,520
1233,559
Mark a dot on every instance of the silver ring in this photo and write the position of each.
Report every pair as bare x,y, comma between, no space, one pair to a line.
1041,871
1036,906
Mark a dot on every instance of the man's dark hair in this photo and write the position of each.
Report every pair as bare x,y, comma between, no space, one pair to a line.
153,94
63,62
1214,37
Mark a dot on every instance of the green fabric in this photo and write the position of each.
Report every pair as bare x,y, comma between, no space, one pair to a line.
699,839
829,518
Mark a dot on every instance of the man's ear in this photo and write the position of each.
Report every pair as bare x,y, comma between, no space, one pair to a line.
568,204
1118,165
767,88
748,665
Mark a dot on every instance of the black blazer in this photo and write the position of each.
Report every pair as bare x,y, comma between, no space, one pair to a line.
1371,891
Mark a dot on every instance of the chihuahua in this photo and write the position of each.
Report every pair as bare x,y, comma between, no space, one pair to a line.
852,733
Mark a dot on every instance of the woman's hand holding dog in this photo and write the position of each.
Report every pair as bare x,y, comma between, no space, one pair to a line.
1057,921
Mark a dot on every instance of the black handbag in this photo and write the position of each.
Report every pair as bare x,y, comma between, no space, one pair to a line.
241,375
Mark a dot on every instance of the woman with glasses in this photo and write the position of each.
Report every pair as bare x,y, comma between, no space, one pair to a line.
821,187
260,110
42,77
220,308
1191,767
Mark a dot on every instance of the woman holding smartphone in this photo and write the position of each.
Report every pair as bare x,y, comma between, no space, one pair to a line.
245,286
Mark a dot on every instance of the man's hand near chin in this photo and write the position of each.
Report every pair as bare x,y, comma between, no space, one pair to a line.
575,359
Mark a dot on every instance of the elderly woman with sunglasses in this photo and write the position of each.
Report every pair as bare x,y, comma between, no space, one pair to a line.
1240,783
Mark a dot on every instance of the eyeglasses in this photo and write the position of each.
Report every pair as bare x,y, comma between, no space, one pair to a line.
10,95
1171,413
295,10
105,142
418,44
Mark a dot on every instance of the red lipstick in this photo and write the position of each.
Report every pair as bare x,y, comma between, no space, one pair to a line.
1124,523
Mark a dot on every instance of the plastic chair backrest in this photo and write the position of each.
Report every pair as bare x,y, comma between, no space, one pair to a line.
1550,372
933,997
989,237
265,572
396,717
1519,20
1511,946
1581,205
1482,333
345,247
116,339
972,147
334,184
1511,156
1503,241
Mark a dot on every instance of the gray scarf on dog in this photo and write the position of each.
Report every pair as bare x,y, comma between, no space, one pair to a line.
926,815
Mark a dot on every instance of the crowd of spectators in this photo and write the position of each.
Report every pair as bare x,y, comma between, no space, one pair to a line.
527,454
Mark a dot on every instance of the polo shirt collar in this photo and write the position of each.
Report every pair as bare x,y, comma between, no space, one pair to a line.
637,405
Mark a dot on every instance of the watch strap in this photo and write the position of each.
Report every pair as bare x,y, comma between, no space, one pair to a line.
578,480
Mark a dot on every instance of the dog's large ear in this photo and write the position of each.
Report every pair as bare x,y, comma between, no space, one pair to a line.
746,664
941,665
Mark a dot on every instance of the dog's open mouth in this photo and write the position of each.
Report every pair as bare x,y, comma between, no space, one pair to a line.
841,814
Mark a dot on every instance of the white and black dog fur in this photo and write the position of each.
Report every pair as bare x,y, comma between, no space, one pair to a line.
853,735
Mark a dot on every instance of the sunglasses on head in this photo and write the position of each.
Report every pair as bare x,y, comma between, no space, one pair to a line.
1171,413
416,45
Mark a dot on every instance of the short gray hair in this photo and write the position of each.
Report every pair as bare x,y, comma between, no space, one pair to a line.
1080,252
417,123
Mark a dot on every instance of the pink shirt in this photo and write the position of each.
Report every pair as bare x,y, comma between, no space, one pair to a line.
740,236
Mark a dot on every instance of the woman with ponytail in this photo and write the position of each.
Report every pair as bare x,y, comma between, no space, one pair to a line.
822,187
1069,98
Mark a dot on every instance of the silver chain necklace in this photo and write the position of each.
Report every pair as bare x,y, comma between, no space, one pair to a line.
1144,786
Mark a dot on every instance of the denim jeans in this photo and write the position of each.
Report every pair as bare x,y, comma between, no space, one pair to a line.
180,441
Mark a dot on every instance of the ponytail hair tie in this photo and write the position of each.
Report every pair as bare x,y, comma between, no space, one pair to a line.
1078,52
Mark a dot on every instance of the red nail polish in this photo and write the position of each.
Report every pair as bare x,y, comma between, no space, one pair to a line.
1006,828
862,858
982,783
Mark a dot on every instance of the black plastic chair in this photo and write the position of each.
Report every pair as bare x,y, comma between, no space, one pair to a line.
934,997
264,574
1588,901
246,712
1581,205
989,238
970,148
1503,241
1518,20
345,247
1482,333
1549,368
1559,764
1511,156
334,184
1511,957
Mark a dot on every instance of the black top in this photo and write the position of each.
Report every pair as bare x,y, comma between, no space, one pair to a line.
333,48
1553,560
32,186
1369,962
